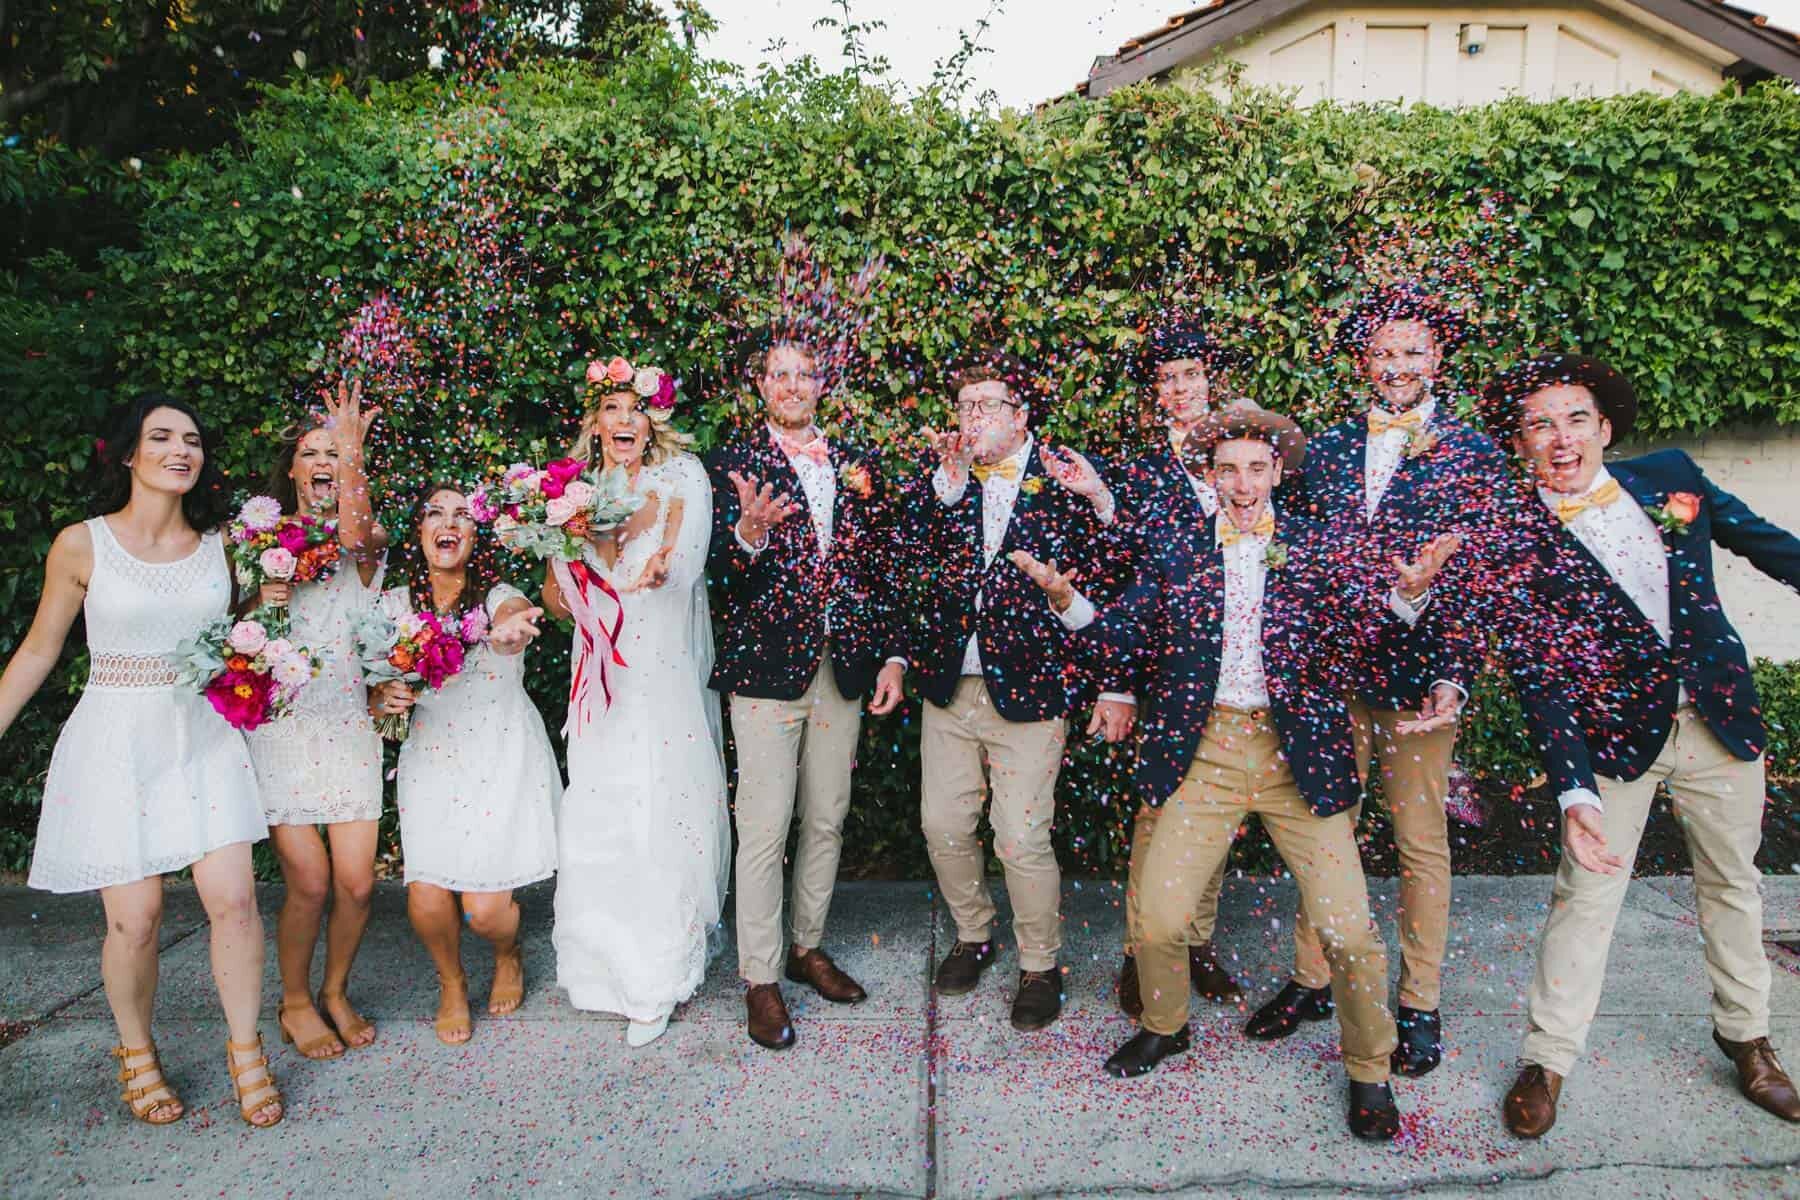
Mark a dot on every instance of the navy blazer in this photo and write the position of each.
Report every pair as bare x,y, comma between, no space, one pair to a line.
1169,625
1026,654
1625,680
1448,488
774,604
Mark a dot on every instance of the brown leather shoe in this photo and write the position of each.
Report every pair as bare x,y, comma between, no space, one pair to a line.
816,970
1210,979
1131,996
1761,1077
769,1024
1531,1105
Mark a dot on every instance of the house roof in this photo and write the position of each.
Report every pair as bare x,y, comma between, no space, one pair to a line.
1761,47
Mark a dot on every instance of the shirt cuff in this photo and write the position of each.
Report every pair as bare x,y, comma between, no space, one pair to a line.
1408,610
1574,796
1105,511
1460,689
897,659
1078,616
1121,697
746,547
940,483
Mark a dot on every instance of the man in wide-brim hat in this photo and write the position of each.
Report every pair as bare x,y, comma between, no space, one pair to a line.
1402,473
1625,550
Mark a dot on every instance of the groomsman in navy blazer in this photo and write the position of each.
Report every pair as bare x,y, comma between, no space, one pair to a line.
998,674
1631,542
802,527
1179,369
1388,482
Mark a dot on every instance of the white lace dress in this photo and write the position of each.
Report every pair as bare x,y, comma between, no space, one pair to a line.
644,831
320,762
146,778
478,785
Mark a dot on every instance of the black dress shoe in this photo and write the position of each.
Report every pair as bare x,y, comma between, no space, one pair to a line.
1210,979
1039,1000
1131,996
1421,1042
1140,1055
1374,1117
962,967
1291,1005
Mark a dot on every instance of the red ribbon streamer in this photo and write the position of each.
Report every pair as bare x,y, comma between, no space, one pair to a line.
578,582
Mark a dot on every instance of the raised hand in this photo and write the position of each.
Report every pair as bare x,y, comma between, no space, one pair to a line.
656,570
1072,470
1112,720
760,509
890,689
1059,586
344,411
1440,709
1413,578
513,633
955,451
1585,841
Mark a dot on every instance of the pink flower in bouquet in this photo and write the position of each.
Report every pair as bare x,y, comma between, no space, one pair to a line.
558,510
276,649
291,669
559,474
277,563
292,537
260,514
438,660
247,637
481,506
518,472
579,492
665,392
241,697
474,625
618,371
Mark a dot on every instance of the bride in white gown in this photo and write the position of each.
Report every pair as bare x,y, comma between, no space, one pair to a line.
644,832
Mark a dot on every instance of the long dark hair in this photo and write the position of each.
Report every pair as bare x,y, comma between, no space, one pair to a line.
281,474
205,504
480,573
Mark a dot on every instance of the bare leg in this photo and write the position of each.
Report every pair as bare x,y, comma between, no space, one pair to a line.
436,920
128,970
495,916
306,873
352,888
227,888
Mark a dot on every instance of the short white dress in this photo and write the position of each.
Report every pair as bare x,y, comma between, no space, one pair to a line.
146,778
478,782
320,762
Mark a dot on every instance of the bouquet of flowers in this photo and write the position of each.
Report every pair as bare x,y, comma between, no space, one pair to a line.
266,545
248,676
418,649
548,512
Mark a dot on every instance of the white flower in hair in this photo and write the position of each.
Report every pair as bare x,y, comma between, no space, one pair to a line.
646,382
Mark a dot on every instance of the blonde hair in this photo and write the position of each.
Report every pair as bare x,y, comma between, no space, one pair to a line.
665,443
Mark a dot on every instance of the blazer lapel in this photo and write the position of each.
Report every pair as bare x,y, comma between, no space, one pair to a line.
1034,469
1682,565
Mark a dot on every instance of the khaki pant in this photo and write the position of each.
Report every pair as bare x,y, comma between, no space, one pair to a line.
1415,779
1239,769
1023,759
793,756
1718,800
1206,909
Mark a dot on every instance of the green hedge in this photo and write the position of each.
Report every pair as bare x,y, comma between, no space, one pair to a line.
528,220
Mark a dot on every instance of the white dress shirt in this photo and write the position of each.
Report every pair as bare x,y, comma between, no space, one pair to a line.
818,483
999,496
1242,680
1381,457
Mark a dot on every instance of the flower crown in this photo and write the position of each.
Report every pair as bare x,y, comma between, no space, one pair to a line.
654,384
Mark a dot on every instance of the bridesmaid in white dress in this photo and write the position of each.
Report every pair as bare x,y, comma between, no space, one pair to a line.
146,778
643,832
478,784
320,763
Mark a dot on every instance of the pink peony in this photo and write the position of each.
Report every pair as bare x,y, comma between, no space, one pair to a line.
579,492
277,562
481,506
292,536
474,625
559,509
596,372
439,660
247,637
618,371
665,393
558,475
241,697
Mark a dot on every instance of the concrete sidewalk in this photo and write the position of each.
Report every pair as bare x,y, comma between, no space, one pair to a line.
894,1097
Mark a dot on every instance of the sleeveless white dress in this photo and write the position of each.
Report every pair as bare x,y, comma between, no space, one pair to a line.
146,778
320,762
478,781
644,831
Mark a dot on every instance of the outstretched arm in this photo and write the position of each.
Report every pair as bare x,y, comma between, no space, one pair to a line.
358,533
66,573
1769,548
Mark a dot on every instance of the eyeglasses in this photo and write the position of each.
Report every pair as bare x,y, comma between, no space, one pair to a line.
989,405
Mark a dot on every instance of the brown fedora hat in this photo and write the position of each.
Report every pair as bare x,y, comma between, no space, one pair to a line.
1504,398
1405,301
1245,418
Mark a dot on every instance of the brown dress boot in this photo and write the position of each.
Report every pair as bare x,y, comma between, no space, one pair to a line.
1761,1077
816,970
769,1024
1531,1105
1211,980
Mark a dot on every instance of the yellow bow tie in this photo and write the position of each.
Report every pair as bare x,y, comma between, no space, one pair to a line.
1005,469
1380,422
1177,440
1600,497
1230,534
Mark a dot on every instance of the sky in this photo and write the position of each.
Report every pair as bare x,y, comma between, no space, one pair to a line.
1041,48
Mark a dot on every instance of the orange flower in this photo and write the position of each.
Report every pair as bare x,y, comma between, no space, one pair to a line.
402,658
238,662
576,526
1683,506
